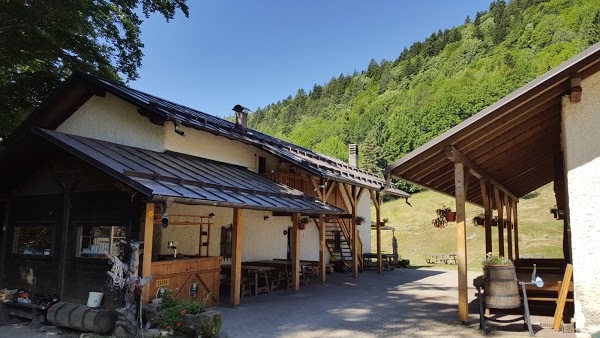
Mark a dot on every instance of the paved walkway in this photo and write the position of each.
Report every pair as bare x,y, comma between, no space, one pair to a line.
399,303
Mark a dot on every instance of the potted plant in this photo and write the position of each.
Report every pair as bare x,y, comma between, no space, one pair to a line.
447,213
439,222
500,283
479,219
189,317
302,222
359,220
385,220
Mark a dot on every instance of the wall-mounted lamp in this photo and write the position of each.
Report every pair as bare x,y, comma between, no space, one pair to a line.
211,215
265,217
177,130
164,220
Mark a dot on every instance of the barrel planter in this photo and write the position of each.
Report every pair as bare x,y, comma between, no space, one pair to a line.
82,318
501,287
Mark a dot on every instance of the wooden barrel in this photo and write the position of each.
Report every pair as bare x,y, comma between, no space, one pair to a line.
81,317
501,287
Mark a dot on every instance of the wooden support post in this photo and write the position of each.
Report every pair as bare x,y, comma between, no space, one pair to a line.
461,184
236,257
487,212
322,248
295,253
516,226
377,204
508,203
64,237
354,234
500,208
148,235
3,240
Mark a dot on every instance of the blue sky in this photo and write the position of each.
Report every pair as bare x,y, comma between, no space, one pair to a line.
257,52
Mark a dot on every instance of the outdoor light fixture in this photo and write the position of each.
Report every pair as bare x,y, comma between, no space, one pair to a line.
164,220
211,215
265,217
177,130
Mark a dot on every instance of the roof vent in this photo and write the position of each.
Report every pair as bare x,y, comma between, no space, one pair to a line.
353,155
241,116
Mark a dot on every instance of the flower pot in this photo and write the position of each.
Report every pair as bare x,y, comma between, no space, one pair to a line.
301,226
479,221
451,216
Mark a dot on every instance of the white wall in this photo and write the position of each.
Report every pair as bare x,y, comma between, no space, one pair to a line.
581,146
261,239
206,145
112,119
364,230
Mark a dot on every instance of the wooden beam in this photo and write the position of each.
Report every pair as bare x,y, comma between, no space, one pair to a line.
354,234
508,203
67,184
3,239
329,190
236,257
295,253
456,156
148,233
377,203
516,226
322,248
487,212
500,208
461,182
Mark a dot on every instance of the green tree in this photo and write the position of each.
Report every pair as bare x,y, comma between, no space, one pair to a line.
43,42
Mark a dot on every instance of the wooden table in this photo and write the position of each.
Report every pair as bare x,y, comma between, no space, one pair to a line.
387,260
254,271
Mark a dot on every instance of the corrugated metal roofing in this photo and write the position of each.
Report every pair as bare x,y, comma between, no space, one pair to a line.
311,161
186,178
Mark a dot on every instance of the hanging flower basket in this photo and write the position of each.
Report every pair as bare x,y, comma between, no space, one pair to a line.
302,222
451,216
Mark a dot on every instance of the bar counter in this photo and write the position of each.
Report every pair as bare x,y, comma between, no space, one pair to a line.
187,277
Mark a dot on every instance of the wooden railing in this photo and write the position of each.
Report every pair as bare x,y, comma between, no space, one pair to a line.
293,181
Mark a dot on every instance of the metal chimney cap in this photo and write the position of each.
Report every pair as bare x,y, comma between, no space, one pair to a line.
238,108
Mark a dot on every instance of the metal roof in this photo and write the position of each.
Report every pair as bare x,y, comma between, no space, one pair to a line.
160,111
185,178
515,141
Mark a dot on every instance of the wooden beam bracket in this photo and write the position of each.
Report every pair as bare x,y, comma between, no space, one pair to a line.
456,156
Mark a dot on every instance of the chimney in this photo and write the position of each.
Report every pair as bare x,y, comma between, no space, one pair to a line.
353,154
241,116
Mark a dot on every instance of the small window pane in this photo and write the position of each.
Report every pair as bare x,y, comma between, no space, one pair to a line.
33,239
94,240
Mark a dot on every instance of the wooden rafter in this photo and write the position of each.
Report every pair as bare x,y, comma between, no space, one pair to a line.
500,209
456,156
487,208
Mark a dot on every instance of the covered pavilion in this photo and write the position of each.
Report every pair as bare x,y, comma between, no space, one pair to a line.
541,133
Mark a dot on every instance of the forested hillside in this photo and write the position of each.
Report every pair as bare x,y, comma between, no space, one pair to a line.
393,107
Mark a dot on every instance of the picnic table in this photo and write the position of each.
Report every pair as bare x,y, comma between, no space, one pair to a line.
387,260
441,258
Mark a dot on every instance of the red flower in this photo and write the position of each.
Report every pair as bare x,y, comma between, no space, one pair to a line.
169,327
178,324
182,312
195,295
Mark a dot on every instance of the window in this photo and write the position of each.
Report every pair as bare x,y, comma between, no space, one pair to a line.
33,239
94,240
226,241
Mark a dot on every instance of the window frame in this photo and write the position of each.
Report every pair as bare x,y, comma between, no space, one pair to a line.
112,239
15,242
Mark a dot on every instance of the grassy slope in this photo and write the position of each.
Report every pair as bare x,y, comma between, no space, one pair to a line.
539,232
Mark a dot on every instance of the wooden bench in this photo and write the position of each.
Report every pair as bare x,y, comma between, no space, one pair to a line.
36,313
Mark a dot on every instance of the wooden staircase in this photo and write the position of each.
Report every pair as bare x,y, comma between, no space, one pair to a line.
338,241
